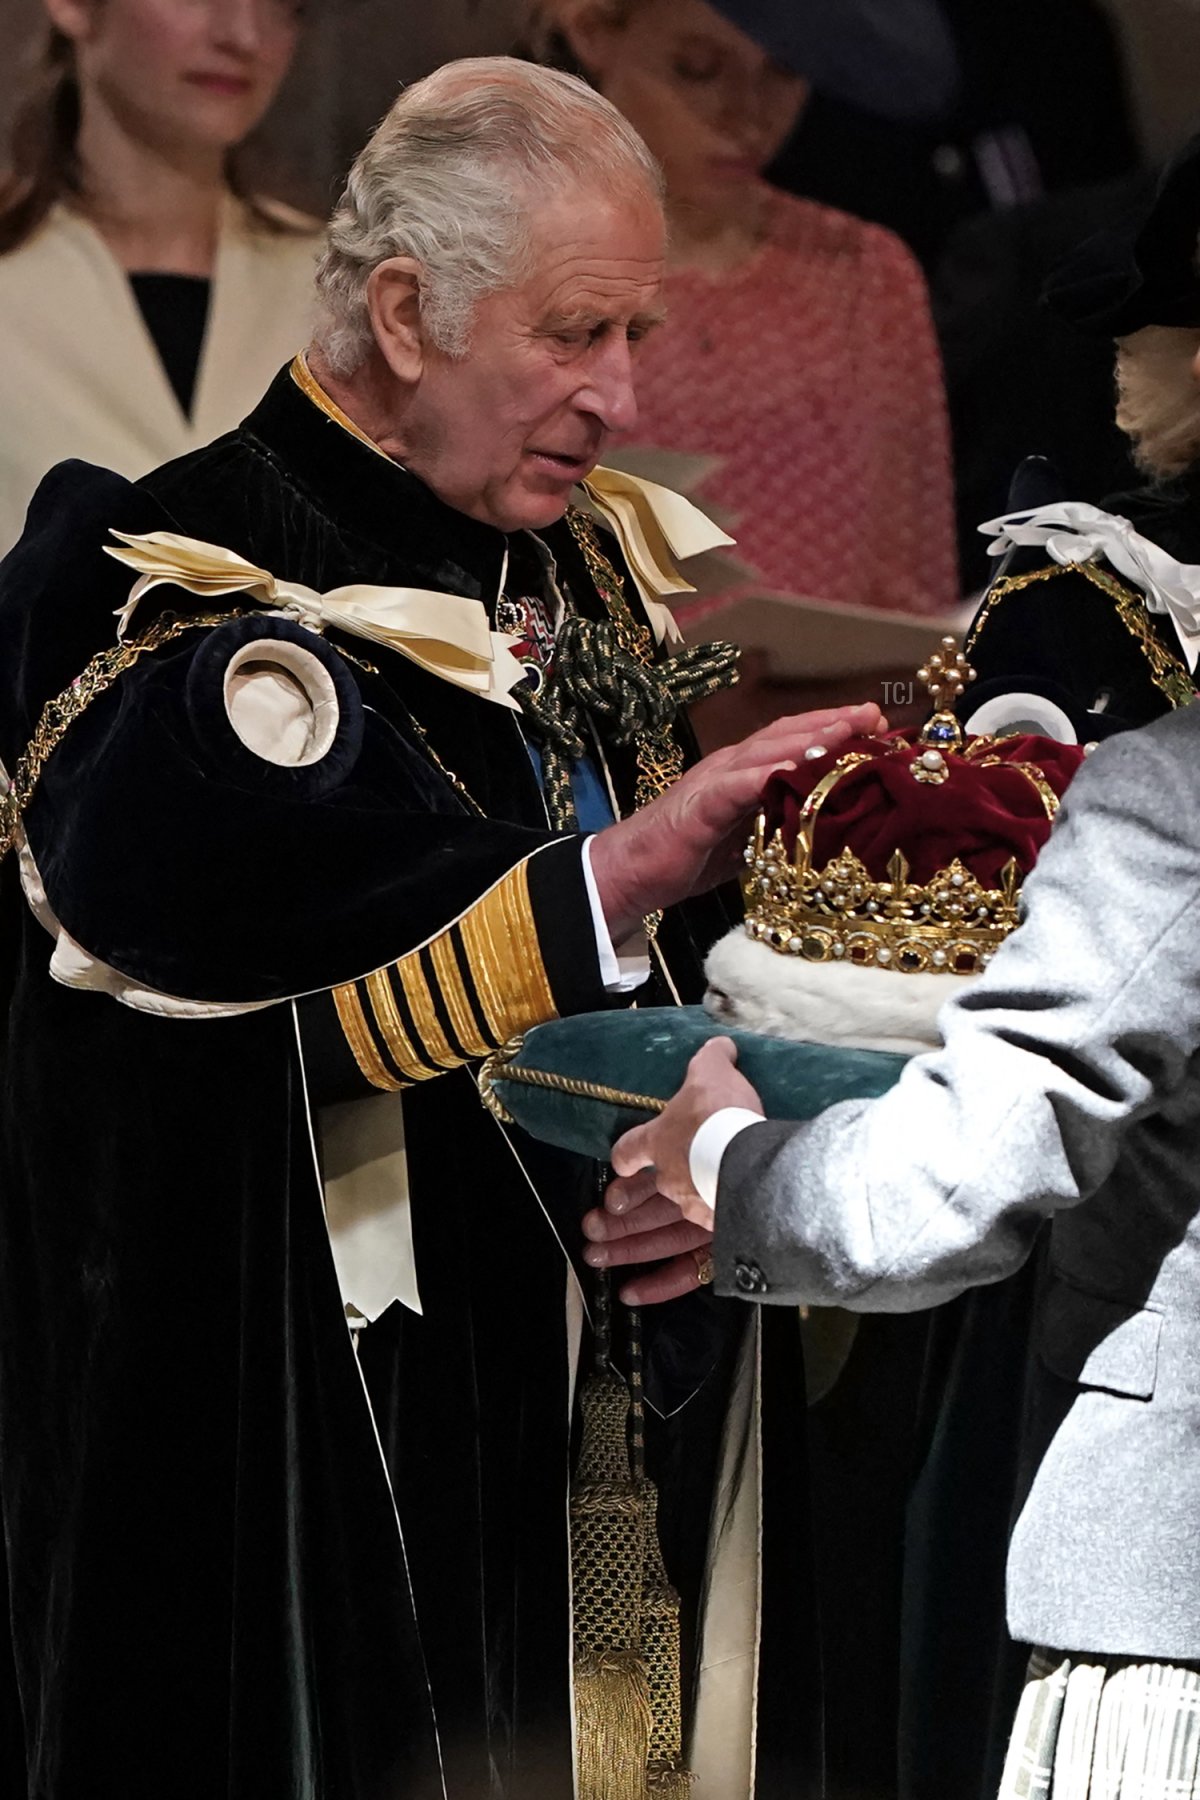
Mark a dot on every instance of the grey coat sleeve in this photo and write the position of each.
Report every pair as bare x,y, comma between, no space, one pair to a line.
1083,1024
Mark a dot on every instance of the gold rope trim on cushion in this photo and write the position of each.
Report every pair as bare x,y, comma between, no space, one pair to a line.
503,960
500,1067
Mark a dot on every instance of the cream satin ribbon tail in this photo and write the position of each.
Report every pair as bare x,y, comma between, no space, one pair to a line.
446,634
653,526
1071,531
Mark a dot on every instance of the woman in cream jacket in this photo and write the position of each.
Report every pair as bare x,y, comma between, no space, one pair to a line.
145,300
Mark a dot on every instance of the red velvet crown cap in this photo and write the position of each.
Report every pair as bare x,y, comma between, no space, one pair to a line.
983,813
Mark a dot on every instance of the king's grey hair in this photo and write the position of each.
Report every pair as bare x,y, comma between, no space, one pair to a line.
452,178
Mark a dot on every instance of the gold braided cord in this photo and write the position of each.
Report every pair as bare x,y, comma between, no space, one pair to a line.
59,714
486,1073
659,1629
456,783
498,1067
1167,672
628,1697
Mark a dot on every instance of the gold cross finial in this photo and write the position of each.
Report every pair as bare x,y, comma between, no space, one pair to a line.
946,674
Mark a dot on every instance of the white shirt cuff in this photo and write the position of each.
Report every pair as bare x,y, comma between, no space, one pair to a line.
628,965
710,1144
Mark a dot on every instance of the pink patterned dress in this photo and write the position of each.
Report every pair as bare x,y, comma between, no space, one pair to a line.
813,373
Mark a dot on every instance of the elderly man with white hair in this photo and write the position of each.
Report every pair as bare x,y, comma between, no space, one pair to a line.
381,761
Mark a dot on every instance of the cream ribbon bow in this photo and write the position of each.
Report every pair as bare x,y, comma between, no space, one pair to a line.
653,526
1071,531
446,634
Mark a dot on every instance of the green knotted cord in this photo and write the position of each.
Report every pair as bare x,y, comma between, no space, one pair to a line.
594,676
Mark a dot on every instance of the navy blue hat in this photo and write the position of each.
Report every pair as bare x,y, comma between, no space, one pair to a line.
896,58
1142,269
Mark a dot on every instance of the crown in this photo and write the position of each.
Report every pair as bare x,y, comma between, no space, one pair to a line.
950,923
931,836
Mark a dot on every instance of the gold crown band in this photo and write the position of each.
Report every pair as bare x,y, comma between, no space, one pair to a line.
950,925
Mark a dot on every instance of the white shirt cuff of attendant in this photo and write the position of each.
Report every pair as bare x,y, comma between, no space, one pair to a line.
710,1144
628,965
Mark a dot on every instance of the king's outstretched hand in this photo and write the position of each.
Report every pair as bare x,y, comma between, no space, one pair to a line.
693,836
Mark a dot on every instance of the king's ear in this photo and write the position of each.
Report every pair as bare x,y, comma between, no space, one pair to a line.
394,305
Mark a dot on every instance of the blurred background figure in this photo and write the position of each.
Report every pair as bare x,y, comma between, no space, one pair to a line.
1006,137
147,294
1020,379
987,196
992,193
799,349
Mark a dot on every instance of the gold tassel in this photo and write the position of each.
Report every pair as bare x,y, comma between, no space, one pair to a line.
667,1783
612,1705
660,1647
612,1716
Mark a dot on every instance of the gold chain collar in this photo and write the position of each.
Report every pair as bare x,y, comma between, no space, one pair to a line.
59,714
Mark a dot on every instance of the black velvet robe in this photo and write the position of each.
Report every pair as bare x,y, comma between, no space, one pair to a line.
209,1593
1063,638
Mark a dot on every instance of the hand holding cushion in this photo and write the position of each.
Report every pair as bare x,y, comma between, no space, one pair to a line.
652,1212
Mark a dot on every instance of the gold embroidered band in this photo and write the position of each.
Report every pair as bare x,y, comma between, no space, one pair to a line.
358,1036
479,983
463,1017
392,1028
501,946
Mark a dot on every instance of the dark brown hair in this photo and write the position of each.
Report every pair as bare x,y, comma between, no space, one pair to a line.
43,166
42,162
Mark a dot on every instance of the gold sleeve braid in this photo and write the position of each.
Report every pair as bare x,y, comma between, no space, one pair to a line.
477,984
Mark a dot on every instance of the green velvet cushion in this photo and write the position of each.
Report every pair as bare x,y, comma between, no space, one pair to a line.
623,1059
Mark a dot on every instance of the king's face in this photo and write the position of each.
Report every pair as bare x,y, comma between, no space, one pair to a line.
504,432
